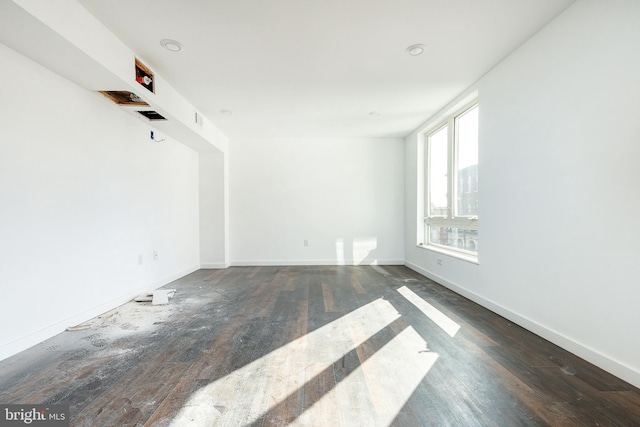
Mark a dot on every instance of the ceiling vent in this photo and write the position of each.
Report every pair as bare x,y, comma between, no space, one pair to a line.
198,119
152,115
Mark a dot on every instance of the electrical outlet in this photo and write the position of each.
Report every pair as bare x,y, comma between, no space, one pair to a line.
155,255
439,261
140,259
306,242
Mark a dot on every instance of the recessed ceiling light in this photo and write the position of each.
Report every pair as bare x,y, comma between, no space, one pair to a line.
226,112
415,49
171,45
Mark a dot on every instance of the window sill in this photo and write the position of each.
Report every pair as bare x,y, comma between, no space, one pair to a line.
455,254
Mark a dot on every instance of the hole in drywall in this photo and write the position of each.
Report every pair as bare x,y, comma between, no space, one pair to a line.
123,97
144,76
152,115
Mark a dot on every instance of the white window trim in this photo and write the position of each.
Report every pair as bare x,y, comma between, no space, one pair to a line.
470,223
445,250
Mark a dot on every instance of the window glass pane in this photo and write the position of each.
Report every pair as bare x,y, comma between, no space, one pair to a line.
467,163
457,238
438,173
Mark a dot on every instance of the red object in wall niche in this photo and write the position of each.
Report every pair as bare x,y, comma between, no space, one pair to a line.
144,76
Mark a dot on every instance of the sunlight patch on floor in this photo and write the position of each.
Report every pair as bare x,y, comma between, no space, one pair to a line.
391,374
284,371
439,318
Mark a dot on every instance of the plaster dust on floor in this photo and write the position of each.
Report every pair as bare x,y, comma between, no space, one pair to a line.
105,346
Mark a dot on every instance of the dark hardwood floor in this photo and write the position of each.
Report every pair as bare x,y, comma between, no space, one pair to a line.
334,346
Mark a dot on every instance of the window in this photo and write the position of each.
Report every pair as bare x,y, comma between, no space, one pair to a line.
451,184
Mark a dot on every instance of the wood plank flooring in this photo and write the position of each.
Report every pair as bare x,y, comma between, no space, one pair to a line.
314,346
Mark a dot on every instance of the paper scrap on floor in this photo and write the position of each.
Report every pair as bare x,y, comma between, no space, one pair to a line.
157,297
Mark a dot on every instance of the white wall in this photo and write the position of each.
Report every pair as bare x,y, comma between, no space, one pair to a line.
83,191
559,146
214,239
345,196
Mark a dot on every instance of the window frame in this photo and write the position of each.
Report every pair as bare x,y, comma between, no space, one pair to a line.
451,220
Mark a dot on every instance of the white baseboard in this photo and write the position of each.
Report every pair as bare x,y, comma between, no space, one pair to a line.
214,266
609,364
29,340
285,263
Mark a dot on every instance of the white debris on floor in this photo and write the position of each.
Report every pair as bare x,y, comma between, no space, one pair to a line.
131,317
80,327
157,297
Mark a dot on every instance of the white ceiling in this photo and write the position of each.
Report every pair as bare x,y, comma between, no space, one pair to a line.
318,68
